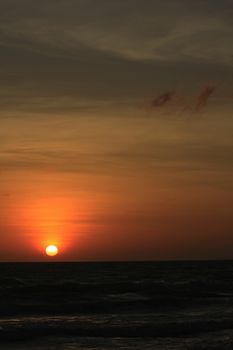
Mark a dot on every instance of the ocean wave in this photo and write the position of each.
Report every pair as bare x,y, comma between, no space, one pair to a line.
27,289
105,326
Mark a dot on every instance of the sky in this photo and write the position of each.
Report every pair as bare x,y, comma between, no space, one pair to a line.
116,129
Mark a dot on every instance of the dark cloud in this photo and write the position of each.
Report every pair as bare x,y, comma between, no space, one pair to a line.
163,99
183,103
204,96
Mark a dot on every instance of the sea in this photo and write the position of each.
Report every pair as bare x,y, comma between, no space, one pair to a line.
170,305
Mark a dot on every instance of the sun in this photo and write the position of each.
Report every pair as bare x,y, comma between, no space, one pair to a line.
51,250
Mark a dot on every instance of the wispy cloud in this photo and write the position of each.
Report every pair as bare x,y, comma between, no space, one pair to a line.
138,32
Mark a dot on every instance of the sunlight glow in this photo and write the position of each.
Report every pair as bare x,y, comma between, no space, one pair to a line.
51,250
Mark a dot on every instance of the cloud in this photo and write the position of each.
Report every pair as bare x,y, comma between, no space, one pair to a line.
163,99
204,96
183,103
89,57
175,31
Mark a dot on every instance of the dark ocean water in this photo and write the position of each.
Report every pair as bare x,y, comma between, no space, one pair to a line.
150,305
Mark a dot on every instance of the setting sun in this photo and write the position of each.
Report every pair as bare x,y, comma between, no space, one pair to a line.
51,250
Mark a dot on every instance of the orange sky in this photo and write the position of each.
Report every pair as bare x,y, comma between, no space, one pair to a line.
116,138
